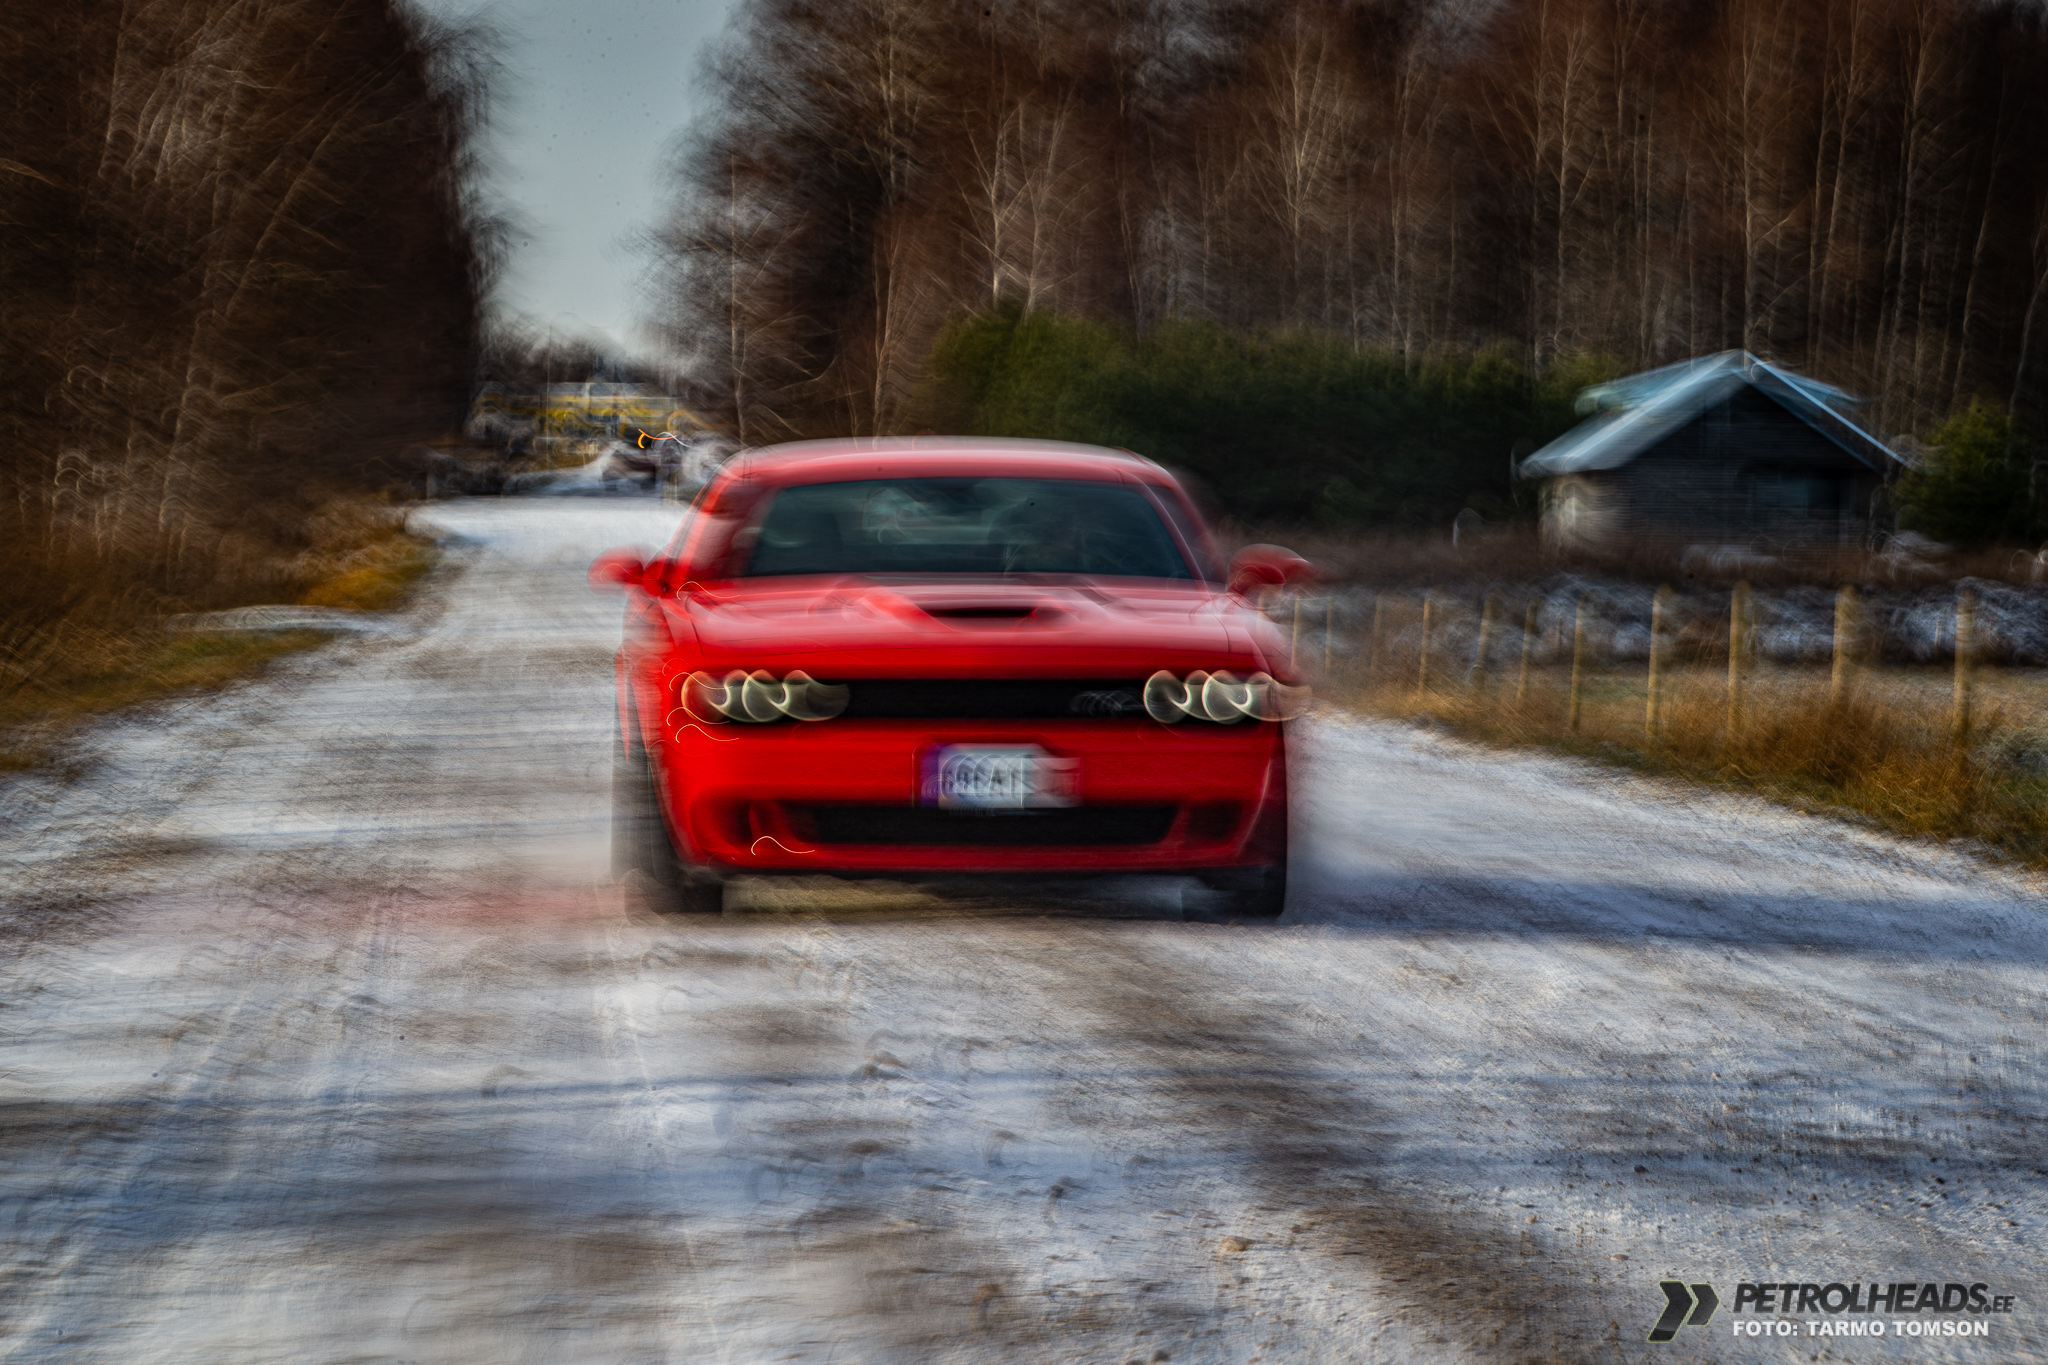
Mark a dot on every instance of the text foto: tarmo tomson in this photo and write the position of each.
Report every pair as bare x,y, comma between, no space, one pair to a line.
1906,1297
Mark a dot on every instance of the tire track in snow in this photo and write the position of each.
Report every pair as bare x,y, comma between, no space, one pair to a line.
1258,1090
138,1184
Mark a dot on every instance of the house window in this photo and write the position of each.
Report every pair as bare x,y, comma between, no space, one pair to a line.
1790,497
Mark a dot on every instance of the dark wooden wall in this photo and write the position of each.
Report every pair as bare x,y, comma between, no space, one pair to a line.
1745,468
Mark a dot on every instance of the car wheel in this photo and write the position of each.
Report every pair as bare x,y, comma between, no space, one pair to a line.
643,855
1249,892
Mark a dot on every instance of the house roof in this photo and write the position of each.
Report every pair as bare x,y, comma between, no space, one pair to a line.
1631,415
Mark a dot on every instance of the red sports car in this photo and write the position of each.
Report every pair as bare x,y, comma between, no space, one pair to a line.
936,655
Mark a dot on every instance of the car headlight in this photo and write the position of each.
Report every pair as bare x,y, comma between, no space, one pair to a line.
1220,697
761,697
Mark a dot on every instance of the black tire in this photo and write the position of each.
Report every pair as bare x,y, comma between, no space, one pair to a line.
643,855
1250,892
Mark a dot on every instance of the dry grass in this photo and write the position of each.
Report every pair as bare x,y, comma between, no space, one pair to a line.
372,570
94,640
1885,751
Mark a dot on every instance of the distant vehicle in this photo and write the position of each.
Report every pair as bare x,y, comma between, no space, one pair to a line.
623,460
678,465
943,656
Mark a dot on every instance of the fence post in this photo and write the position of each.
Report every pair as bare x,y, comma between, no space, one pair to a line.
1372,645
1738,629
1848,643
1528,646
1579,642
1422,667
1966,659
1489,622
1660,611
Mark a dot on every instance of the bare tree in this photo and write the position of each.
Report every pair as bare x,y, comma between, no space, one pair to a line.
1851,185
241,265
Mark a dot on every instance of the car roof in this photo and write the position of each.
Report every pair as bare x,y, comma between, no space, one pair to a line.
868,457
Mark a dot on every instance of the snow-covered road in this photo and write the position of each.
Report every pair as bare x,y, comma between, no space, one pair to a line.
323,1037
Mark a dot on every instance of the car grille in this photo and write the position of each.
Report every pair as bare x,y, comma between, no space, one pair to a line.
995,699
930,826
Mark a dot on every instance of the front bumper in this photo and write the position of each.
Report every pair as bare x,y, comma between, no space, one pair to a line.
844,796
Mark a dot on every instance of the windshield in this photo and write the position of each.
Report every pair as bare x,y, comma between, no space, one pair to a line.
965,525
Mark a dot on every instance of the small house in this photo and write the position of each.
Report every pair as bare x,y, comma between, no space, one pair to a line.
1724,449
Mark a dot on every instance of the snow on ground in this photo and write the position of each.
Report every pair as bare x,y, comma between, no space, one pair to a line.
324,1038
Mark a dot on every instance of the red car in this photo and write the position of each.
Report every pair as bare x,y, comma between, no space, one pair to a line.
924,656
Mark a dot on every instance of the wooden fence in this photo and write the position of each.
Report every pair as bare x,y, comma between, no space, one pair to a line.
1364,655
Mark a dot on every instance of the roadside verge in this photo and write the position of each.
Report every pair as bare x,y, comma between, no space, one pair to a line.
97,644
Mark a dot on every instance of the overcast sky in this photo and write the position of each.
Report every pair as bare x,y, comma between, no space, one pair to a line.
592,94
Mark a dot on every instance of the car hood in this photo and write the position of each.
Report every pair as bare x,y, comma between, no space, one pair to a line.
855,626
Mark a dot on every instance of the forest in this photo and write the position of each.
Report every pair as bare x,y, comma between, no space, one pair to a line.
242,264
1855,188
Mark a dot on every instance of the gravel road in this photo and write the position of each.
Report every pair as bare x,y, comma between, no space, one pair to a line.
325,1038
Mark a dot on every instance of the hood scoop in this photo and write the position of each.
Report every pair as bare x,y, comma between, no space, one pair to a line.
981,613
972,614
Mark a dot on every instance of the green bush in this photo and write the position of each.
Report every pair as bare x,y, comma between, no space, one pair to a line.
1298,428
1974,490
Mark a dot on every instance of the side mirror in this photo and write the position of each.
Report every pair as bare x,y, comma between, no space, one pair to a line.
1256,567
615,569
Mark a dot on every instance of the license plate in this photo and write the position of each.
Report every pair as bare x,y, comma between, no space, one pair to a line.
999,777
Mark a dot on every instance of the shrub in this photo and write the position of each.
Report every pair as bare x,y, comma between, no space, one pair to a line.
1974,491
1297,427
